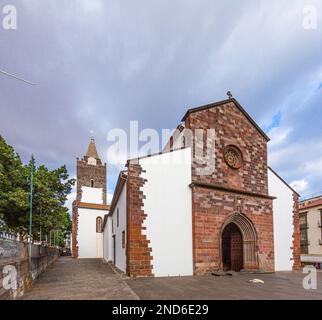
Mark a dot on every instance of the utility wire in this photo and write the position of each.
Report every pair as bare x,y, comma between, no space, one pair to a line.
16,77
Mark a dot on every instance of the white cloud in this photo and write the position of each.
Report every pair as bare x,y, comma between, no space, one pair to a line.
116,61
314,167
92,6
278,136
300,185
116,158
109,197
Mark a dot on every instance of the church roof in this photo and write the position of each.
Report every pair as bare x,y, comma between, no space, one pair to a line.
237,104
92,151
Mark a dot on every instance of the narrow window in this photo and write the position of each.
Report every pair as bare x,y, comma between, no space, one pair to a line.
112,226
171,143
92,183
117,218
321,225
99,225
123,239
303,234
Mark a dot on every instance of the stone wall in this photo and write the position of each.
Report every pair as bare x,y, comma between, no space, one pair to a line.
14,258
296,235
74,230
231,128
139,259
211,210
227,193
86,173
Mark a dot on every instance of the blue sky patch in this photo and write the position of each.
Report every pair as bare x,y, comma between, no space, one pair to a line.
276,122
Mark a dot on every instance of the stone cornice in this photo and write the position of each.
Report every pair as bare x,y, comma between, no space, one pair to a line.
231,190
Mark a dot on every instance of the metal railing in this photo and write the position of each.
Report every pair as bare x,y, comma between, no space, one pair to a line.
311,196
7,235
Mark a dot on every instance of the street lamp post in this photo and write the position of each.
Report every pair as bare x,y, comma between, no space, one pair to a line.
30,214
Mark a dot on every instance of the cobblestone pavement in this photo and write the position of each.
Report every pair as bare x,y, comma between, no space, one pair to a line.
279,286
85,279
71,279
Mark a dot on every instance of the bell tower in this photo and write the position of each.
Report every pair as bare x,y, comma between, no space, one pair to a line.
89,206
91,172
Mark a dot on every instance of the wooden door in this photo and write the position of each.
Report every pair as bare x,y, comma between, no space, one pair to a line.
232,248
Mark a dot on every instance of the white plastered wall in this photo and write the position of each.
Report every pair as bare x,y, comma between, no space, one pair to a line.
282,222
108,254
168,206
92,195
90,243
116,231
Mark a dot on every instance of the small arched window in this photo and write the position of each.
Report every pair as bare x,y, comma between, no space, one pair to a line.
99,224
92,183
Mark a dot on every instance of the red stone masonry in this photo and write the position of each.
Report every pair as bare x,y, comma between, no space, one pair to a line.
74,230
233,128
138,251
210,211
296,235
247,186
87,172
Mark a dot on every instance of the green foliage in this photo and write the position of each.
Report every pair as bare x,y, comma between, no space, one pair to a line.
50,191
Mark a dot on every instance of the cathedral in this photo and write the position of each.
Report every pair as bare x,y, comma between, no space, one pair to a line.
167,219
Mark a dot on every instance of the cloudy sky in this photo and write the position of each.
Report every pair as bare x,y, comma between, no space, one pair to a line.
100,63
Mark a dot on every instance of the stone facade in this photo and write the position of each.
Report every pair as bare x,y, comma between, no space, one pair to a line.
212,209
74,230
226,191
231,128
139,259
87,172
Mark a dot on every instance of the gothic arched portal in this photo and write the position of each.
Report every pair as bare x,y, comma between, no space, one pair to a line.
238,244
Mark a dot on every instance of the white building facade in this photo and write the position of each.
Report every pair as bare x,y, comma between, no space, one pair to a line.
168,177
311,231
283,207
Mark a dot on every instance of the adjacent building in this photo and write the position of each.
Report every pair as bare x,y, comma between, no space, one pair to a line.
311,230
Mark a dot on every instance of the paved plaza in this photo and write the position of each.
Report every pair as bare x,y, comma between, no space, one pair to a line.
69,279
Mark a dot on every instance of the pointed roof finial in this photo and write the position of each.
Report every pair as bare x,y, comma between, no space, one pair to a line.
229,94
92,151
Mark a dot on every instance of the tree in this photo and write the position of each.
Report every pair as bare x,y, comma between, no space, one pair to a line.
13,186
50,191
